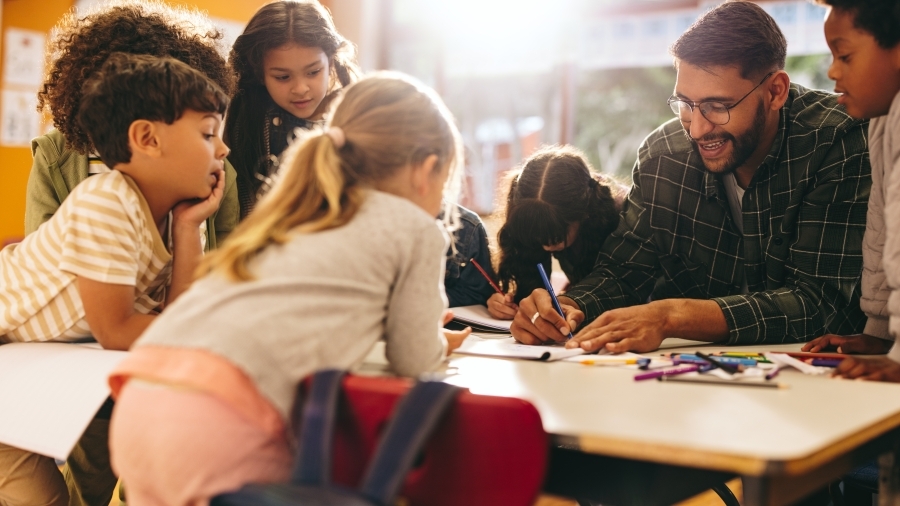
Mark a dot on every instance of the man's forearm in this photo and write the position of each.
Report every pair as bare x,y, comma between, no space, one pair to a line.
700,320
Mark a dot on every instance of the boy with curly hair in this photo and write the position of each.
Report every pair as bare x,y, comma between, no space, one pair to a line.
101,266
864,37
65,156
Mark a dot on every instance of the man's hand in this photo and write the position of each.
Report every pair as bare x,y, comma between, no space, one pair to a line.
637,328
861,344
194,212
537,321
872,369
502,307
642,328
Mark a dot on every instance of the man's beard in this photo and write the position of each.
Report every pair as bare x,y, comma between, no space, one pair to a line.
742,147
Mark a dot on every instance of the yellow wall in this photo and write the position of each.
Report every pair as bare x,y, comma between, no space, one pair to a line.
238,10
16,162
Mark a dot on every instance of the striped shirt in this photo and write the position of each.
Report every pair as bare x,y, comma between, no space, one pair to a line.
103,231
804,215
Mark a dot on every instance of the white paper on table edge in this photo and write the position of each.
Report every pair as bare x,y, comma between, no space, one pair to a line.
58,389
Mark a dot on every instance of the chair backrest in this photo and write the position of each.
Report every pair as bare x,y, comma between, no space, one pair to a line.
487,450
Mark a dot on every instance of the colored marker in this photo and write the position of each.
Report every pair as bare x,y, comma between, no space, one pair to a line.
823,362
612,361
730,369
487,277
689,358
759,357
667,372
549,288
773,373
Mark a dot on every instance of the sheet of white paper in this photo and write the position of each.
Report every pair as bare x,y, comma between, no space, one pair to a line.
23,57
479,315
50,393
508,347
19,119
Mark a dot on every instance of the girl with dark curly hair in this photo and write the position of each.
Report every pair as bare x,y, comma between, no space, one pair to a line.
289,62
556,207
65,157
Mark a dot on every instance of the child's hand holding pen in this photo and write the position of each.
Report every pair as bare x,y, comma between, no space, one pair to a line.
502,306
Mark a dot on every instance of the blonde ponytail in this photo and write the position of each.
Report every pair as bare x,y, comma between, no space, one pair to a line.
311,195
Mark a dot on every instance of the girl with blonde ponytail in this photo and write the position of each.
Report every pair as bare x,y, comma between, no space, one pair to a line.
344,251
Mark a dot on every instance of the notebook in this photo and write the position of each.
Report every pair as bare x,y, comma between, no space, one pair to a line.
510,348
479,319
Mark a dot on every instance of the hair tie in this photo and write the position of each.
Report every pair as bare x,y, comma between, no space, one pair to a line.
337,136
593,183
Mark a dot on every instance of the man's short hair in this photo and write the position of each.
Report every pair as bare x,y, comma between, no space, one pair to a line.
132,87
881,18
734,34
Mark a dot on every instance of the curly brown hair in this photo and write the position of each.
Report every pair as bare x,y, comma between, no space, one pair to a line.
81,44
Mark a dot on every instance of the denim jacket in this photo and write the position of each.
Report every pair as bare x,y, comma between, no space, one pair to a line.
466,286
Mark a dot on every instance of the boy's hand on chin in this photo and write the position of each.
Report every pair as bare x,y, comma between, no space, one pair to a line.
195,211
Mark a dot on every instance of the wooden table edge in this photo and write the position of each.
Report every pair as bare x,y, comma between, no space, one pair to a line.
717,461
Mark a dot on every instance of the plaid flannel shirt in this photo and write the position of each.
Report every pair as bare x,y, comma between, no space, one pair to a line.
804,215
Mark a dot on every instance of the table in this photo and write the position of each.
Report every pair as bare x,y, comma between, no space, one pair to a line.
622,436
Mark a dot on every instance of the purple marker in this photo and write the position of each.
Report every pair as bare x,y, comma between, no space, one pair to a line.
666,372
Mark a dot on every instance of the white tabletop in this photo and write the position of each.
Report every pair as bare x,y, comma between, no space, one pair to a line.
751,431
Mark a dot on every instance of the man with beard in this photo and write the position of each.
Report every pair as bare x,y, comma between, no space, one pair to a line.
746,218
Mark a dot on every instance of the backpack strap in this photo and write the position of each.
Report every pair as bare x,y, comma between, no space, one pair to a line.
412,423
53,150
313,466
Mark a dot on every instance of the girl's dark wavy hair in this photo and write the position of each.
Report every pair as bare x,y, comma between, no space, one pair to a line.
81,45
305,23
554,188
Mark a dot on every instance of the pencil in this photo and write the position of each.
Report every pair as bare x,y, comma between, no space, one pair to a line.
487,277
715,381
611,361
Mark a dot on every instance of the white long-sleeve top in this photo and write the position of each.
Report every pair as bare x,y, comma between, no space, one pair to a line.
884,153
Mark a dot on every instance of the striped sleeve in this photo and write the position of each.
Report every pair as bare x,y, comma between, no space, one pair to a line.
101,240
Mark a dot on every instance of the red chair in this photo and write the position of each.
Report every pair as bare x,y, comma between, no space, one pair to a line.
487,450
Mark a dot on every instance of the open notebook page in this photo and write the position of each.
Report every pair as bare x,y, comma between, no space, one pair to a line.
510,348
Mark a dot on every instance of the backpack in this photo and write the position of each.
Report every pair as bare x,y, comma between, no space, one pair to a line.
414,419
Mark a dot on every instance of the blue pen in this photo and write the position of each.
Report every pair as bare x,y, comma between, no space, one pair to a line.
549,288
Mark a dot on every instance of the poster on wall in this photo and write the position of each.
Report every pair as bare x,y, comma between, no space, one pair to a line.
23,57
19,119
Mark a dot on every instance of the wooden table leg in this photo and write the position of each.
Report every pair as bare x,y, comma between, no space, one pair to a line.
889,479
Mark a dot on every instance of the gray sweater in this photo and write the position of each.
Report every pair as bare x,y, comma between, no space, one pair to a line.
322,300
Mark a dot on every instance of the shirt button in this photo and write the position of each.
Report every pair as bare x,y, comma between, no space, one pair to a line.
777,241
276,121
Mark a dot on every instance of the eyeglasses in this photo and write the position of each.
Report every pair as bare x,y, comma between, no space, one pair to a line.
716,113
